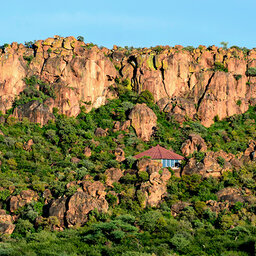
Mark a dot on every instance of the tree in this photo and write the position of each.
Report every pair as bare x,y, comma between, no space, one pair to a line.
80,38
224,45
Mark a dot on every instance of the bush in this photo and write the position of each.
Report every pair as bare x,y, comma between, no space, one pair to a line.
251,72
146,97
80,38
237,77
220,67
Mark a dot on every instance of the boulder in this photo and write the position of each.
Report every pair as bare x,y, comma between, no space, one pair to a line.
148,165
28,145
155,189
6,225
231,195
194,143
80,204
113,175
101,132
249,153
87,152
120,155
35,112
143,120
58,209
73,211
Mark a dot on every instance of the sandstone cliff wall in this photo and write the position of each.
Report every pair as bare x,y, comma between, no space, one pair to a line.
187,83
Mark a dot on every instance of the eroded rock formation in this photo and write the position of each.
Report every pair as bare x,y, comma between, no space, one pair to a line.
200,83
143,120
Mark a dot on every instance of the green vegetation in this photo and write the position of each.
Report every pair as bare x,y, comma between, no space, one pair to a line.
220,67
36,90
80,38
224,45
28,59
251,72
237,77
127,228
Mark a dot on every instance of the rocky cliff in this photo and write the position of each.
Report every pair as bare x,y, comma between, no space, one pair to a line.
201,84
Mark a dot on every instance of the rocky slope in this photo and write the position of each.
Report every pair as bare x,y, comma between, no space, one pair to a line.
200,83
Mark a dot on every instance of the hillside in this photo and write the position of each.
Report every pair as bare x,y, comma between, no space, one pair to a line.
74,116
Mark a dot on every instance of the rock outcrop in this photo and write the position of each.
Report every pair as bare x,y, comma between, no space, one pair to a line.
113,175
74,211
154,190
6,225
200,84
213,164
143,120
192,144
25,197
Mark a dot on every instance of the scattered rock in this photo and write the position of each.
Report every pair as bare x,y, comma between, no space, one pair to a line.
25,197
87,152
101,132
120,155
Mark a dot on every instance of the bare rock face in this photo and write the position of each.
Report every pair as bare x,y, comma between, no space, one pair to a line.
76,72
143,120
192,144
73,211
199,84
25,197
35,111
113,175
80,204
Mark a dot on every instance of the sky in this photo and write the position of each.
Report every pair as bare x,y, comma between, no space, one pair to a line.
137,23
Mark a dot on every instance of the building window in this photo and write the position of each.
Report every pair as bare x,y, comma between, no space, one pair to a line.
171,163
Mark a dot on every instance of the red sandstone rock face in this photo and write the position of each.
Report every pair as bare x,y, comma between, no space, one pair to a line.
194,143
80,73
73,211
143,120
77,73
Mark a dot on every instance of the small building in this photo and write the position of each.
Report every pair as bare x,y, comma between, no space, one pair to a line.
167,157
